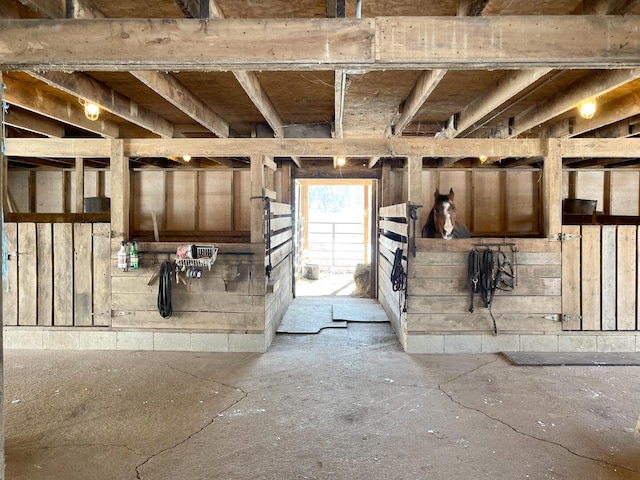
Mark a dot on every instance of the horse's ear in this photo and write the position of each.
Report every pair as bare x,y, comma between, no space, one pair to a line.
451,194
436,194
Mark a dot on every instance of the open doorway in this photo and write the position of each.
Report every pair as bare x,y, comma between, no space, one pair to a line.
335,238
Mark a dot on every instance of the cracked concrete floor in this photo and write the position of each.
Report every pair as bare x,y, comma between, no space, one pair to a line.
343,404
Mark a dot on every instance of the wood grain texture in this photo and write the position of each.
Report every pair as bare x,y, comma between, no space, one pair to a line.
27,278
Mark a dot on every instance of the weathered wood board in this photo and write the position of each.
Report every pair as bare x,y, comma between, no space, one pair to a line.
27,279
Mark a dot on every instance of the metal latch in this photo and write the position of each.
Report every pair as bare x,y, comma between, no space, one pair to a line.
561,237
561,317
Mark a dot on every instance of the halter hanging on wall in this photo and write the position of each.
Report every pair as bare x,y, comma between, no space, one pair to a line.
490,270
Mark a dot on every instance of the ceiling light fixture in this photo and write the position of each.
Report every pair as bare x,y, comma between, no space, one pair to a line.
340,161
483,158
588,109
186,158
91,110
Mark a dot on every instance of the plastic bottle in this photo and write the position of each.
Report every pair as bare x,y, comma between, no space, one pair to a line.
123,256
134,259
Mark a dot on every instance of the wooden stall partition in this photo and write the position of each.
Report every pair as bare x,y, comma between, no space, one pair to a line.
228,298
58,275
600,277
393,246
279,261
439,300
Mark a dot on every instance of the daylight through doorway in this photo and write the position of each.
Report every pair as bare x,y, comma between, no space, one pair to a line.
333,240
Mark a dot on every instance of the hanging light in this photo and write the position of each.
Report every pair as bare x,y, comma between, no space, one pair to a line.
587,109
482,158
91,110
340,161
186,158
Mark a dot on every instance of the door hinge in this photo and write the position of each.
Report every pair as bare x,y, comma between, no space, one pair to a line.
562,317
561,237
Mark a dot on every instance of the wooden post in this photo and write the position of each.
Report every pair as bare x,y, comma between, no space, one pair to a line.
3,192
79,200
414,184
257,203
285,183
120,193
552,188
385,199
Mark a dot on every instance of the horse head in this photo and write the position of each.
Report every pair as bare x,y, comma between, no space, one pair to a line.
444,214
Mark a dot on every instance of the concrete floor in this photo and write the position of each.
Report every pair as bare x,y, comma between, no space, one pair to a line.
343,404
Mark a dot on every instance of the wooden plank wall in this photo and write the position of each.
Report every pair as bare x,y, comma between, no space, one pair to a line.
73,290
600,277
489,202
394,234
438,299
189,201
228,298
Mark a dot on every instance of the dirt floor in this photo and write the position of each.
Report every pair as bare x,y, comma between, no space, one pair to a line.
342,404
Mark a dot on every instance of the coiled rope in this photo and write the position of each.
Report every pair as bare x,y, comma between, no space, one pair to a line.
164,289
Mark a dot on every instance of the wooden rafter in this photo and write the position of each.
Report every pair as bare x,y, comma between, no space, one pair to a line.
26,120
169,88
421,91
609,114
592,87
71,113
509,86
83,86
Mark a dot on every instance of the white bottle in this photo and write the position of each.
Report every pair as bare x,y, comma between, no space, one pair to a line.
123,256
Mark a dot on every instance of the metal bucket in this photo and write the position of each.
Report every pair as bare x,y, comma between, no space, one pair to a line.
97,204
579,206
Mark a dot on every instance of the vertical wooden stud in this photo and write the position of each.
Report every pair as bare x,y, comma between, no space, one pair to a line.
257,203
552,187
79,200
120,192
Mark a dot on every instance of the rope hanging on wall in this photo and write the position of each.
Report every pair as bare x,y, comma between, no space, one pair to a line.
164,290
488,272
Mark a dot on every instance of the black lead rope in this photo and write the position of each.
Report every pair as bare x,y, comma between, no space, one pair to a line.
164,290
473,275
488,283
398,275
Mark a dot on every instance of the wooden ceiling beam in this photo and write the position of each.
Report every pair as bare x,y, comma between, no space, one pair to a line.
369,43
512,84
26,120
612,113
72,113
83,86
421,91
592,87
169,88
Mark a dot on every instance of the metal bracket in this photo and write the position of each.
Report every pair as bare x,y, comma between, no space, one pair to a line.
561,317
561,237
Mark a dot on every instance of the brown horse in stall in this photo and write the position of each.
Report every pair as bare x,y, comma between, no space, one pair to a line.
442,222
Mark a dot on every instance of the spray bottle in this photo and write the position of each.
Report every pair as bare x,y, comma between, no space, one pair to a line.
123,256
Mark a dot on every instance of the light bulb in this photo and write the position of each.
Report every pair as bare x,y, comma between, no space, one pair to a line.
91,111
588,109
